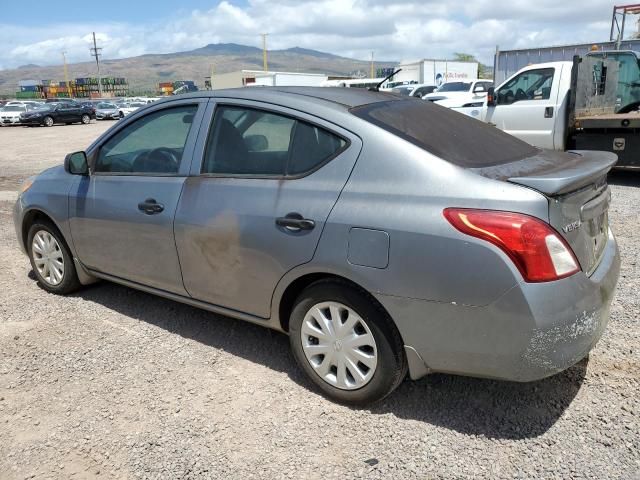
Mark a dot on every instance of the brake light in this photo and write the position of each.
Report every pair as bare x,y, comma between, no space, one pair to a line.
537,250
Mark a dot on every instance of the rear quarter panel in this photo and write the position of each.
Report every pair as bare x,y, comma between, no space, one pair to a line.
402,190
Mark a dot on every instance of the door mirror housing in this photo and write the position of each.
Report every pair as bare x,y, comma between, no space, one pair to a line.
479,89
76,163
491,97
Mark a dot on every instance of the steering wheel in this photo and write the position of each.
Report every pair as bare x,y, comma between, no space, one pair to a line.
167,153
159,160
521,94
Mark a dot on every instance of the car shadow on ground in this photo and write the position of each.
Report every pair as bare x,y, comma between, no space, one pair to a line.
625,178
494,409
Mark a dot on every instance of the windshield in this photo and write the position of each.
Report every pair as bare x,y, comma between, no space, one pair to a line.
455,87
138,104
14,108
106,106
456,138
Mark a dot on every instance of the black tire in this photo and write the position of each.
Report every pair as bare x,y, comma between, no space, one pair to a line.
85,119
391,368
70,282
48,121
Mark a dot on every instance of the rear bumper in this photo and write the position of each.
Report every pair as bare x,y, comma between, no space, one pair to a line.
533,331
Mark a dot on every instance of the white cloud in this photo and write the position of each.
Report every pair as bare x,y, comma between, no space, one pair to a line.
392,29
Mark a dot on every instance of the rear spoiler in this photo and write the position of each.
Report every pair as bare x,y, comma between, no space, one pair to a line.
584,169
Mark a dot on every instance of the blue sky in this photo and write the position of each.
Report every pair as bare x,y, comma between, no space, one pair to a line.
37,31
48,11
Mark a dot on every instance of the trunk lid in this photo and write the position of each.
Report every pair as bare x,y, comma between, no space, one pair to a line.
575,184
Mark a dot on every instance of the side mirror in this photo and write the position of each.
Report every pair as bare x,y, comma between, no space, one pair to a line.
491,97
76,164
479,89
256,143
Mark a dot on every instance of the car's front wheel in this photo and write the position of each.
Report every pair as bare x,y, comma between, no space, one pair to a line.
86,119
346,343
51,259
47,122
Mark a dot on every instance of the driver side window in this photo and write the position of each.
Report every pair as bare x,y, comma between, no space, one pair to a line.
530,85
151,145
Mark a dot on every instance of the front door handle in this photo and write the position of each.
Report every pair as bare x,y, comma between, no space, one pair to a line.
548,112
150,206
295,222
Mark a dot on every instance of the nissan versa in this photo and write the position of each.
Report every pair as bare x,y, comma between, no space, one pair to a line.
384,234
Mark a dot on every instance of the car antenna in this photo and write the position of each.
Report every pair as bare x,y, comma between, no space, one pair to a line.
377,87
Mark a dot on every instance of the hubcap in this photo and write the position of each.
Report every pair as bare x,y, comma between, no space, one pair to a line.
339,345
48,258
48,122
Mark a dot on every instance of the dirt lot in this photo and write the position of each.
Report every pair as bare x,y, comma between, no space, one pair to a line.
114,383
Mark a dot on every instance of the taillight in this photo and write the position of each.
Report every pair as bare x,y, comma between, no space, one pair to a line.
537,250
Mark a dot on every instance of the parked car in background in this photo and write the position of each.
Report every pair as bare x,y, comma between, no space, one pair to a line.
127,108
52,113
417,90
107,111
467,93
10,114
61,100
280,206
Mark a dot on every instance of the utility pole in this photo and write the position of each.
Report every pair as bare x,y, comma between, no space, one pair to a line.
66,74
264,51
96,52
372,76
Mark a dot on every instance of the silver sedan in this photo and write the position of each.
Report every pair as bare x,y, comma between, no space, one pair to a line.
385,235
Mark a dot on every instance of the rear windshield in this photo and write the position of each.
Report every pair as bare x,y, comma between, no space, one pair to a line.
450,135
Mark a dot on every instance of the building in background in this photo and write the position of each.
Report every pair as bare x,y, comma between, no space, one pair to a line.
436,72
248,78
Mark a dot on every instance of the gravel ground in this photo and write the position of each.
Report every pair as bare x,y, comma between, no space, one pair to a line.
115,383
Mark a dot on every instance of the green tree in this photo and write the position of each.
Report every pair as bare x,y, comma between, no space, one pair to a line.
483,70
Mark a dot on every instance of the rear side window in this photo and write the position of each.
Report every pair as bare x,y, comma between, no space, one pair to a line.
252,142
450,135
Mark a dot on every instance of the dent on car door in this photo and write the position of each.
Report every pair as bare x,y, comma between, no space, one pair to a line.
256,206
121,216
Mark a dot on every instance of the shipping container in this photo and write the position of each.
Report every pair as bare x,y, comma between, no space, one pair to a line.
508,62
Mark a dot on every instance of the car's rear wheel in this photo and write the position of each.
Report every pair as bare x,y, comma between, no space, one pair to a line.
51,259
86,119
47,122
346,343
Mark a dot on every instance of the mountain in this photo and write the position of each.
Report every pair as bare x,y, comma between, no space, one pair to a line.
145,71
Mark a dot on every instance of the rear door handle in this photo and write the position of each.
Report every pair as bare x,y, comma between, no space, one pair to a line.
150,206
295,222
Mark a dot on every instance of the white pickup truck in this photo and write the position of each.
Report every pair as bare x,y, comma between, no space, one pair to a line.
588,104
461,93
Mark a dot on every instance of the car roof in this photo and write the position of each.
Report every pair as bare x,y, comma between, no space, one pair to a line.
338,96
